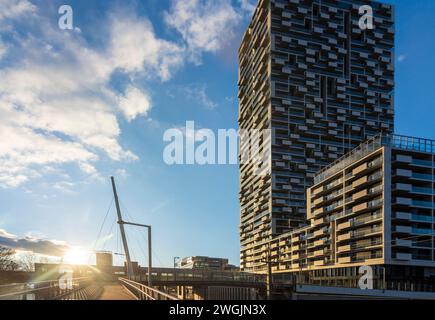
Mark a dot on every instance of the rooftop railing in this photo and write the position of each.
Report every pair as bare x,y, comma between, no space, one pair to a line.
373,144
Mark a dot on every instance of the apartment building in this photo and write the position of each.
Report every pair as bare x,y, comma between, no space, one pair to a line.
309,73
373,207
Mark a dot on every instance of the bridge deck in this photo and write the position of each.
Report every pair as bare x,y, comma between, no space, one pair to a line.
115,292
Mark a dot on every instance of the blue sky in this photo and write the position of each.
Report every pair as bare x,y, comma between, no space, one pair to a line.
77,106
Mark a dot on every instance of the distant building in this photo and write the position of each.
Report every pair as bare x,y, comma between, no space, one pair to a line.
200,262
104,259
135,265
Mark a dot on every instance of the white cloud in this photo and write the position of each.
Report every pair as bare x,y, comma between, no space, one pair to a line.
121,173
31,243
205,25
135,48
64,186
5,234
198,93
134,103
3,48
14,8
248,6
55,104
402,57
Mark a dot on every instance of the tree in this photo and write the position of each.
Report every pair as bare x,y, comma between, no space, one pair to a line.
7,262
27,262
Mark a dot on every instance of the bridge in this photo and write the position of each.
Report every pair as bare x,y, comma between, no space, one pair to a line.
209,286
131,282
82,289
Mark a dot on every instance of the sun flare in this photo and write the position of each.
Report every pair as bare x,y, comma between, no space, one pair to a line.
76,256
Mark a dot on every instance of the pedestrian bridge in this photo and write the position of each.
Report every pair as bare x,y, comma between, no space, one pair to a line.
82,289
89,288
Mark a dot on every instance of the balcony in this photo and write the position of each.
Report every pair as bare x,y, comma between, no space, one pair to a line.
343,237
334,195
423,163
344,225
360,169
318,211
318,201
360,207
365,244
402,187
359,182
318,190
403,243
421,218
319,232
364,257
403,215
320,242
363,233
422,176
404,173
342,249
323,252
428,191
344,260
421,231
404,256
423,204
361,221
320,221
319,263
359,195
403,229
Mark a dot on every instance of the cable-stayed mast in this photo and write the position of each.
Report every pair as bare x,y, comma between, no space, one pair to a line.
130,271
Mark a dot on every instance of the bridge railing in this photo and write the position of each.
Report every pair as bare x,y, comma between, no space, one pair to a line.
193,275
143,292
44,290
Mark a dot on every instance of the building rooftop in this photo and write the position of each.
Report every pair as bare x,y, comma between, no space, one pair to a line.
367,147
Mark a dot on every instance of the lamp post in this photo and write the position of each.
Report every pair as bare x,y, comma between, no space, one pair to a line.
175,267
149,247
121,222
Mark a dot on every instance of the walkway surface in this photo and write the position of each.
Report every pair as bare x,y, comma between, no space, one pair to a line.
115,292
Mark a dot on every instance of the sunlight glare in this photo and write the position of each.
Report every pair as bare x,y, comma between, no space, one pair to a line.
76,256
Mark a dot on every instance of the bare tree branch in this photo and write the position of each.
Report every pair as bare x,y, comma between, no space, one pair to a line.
7,262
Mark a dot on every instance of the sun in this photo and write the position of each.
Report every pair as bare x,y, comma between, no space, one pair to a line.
76,256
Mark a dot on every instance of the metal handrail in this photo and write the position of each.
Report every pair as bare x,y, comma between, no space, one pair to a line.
145,292
52,284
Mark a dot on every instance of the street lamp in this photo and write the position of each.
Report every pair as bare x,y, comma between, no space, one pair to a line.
175,267
149,246
175,261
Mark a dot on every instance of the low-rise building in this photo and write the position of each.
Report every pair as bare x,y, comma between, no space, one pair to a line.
201,262
374,207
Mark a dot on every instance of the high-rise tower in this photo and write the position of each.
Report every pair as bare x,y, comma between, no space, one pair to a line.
321,78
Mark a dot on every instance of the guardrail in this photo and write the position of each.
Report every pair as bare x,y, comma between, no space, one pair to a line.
192,275
143,292
44,290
